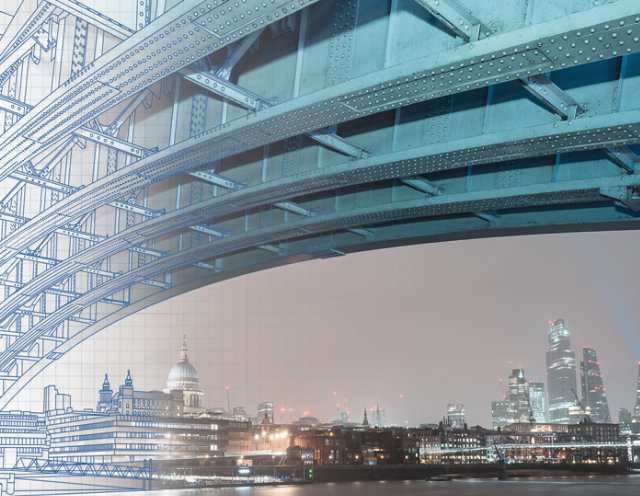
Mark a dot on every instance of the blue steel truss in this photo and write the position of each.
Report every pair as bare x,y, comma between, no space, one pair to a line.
193,141
143,472
113,470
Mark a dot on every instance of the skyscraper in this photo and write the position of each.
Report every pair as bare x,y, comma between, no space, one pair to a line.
624,419
537,401
518,396
456,415
636,410
265,413
561,373
500,414
593,390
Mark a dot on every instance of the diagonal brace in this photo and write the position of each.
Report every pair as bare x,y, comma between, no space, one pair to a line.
457,18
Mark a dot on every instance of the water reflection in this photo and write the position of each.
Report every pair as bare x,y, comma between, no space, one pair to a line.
592,485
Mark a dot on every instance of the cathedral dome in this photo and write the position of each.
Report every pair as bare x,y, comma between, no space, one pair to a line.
183,372
183,375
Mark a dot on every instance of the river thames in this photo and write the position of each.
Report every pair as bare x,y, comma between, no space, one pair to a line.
558,486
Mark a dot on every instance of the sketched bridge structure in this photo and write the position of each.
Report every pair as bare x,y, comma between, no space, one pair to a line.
153,147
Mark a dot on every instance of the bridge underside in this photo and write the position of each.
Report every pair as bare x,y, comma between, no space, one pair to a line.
184,143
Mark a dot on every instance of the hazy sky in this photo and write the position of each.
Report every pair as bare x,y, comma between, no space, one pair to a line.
409,328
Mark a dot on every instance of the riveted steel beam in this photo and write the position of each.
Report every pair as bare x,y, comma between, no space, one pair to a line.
104,83
43,182
292,207
273,249
236,207
365,233
67,190
112,142
626,195
251,101
398,87
210,231
13,106
544,89
224,88
490,217
83,268
136,209
624,157
207,266
337,143
224,71
94,17
421,184
456,17
236,137
567,218
211,177
26,23
130,108
561,137
557,193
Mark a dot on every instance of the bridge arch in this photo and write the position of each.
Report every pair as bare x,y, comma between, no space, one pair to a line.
177,152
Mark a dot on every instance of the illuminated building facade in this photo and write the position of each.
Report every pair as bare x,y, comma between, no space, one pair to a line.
624,420
593,390
271,438
537,401
450,446
500,414
636,409
265,413
107,437
561,373
349,446
518,396
128,401
456,415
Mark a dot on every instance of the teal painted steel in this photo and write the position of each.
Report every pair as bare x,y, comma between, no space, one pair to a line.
200,140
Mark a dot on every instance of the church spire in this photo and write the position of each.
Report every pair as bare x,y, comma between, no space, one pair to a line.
128,382
365,420
105,384
183,352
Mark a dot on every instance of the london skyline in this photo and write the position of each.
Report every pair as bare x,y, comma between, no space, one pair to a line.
292,336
